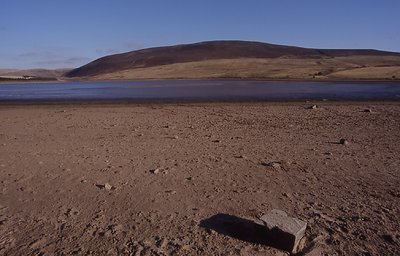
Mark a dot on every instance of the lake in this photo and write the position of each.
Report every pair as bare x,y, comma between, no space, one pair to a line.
197,90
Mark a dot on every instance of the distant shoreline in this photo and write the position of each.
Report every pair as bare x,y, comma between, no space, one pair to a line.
28,80
62,80
101,104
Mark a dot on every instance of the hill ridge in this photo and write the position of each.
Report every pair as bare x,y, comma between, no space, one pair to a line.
209,50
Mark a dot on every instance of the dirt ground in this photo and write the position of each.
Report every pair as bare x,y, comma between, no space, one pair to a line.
189,179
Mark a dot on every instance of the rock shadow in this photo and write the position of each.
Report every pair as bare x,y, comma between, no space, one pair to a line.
242,229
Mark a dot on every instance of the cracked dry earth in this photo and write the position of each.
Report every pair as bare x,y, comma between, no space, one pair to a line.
187,179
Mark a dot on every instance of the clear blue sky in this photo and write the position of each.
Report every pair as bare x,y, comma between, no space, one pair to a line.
69,33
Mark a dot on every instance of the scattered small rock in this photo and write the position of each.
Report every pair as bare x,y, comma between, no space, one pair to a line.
367,110
115,228
211,232
155,171
169,126
275,165
344,142
313,107
162,243
107,186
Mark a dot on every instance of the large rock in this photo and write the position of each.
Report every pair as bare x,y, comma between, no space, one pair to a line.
283,230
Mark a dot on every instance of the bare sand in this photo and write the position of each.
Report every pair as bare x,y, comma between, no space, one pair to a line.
186,179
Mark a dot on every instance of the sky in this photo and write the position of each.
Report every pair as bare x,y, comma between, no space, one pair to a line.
69,33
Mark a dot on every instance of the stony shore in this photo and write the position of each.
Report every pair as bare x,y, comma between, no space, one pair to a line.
187,179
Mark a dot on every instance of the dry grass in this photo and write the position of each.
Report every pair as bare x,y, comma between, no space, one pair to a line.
355,67
369,73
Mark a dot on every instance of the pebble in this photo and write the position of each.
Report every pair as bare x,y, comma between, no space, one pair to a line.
367,110
211,232
275,165
163,243
344,142
107,186
155,171
313,107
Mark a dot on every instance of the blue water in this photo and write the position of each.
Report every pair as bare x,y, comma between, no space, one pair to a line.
197,90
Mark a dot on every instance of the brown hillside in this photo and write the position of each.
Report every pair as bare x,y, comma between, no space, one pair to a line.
213,50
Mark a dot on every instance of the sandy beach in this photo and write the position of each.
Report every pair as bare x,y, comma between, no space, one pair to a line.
185,179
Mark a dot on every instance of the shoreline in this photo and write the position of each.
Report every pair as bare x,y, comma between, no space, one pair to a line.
99,103
64,80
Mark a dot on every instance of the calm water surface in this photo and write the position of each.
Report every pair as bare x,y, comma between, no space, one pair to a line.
198,90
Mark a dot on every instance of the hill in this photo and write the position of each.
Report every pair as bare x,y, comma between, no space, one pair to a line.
241,59
34,72
20,75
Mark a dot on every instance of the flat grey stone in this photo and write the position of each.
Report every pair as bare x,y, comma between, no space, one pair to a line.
284,230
